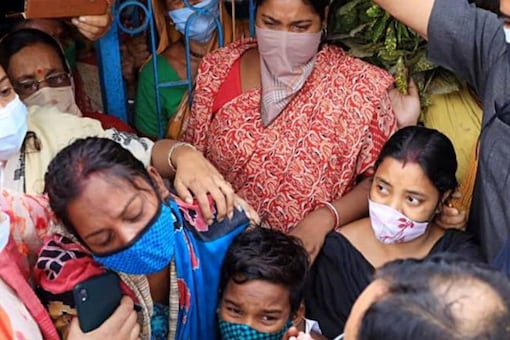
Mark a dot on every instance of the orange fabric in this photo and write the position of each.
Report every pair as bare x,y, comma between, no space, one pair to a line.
6,331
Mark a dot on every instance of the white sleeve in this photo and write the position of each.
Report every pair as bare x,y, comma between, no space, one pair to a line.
140,147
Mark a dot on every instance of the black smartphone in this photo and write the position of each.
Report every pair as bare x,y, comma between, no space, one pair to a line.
96,299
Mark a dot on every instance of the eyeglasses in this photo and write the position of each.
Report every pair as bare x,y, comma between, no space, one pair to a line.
29,86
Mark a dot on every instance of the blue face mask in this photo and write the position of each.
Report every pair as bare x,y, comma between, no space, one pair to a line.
149,252
234,331
201,26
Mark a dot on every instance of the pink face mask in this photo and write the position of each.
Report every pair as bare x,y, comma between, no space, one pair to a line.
390,226
286,61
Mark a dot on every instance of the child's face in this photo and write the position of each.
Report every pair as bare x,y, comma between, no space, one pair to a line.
262,305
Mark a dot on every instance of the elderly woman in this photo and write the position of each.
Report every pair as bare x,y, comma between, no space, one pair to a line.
119,215
33,136
293,124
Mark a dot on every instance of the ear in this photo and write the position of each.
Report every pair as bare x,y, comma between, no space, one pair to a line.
158,180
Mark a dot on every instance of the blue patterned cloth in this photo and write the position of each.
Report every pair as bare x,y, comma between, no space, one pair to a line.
159,322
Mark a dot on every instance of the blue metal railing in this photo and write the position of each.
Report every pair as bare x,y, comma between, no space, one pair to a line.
109,57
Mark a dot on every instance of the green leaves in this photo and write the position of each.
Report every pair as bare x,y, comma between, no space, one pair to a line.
368,32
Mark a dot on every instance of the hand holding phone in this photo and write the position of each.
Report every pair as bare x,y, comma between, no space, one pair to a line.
96,299
121,325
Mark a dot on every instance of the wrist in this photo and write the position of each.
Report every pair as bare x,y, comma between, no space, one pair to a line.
175,150
333,215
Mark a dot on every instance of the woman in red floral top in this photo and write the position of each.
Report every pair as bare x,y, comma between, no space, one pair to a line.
291,123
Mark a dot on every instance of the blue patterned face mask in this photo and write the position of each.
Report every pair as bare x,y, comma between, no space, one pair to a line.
239,331
149,252
202,26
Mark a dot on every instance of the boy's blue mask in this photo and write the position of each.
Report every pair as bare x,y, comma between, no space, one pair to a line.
150,251
235,331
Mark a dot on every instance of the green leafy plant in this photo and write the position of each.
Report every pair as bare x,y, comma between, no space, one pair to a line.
368,32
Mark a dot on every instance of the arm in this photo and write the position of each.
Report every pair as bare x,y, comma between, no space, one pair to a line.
195,177
312,230
413,13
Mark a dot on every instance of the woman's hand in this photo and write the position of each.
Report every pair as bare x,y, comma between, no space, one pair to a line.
294,334
94,27
252,215
196,176
121,325
406,107
451,218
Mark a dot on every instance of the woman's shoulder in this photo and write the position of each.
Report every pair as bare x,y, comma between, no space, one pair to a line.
339,64
164,68
223,58
459,242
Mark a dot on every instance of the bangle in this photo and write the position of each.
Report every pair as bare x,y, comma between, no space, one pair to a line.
333,211
171,152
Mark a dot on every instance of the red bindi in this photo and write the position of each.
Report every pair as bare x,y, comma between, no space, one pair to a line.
39,71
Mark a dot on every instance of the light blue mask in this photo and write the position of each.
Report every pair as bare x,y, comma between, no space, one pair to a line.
239,331
150,251
201,25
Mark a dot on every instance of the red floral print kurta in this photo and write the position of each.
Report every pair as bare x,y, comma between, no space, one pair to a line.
331,132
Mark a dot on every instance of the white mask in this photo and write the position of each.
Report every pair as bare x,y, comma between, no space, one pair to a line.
391,226
5,230
507,34
13,128
60,97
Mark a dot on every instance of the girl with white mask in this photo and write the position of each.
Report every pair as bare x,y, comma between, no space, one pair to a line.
414,176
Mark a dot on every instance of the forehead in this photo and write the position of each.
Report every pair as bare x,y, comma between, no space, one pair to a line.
408,175
286,9
175,4
258,294
33,57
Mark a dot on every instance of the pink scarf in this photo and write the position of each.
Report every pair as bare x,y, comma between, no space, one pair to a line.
286,61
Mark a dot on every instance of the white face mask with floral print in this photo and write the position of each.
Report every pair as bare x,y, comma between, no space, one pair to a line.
390,226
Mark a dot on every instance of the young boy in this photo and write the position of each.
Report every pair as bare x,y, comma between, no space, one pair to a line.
261,287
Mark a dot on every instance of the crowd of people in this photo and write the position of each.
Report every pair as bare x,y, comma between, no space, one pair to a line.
296,197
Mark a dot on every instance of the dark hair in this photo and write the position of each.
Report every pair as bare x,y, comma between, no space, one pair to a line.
318,6
416,301
430,149
69,171
14,42
269,255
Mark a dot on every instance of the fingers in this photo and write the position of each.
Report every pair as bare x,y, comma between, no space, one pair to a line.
203,203
251,213
291,333
182,191
121,314
228,197
451,218
93,27
412,89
